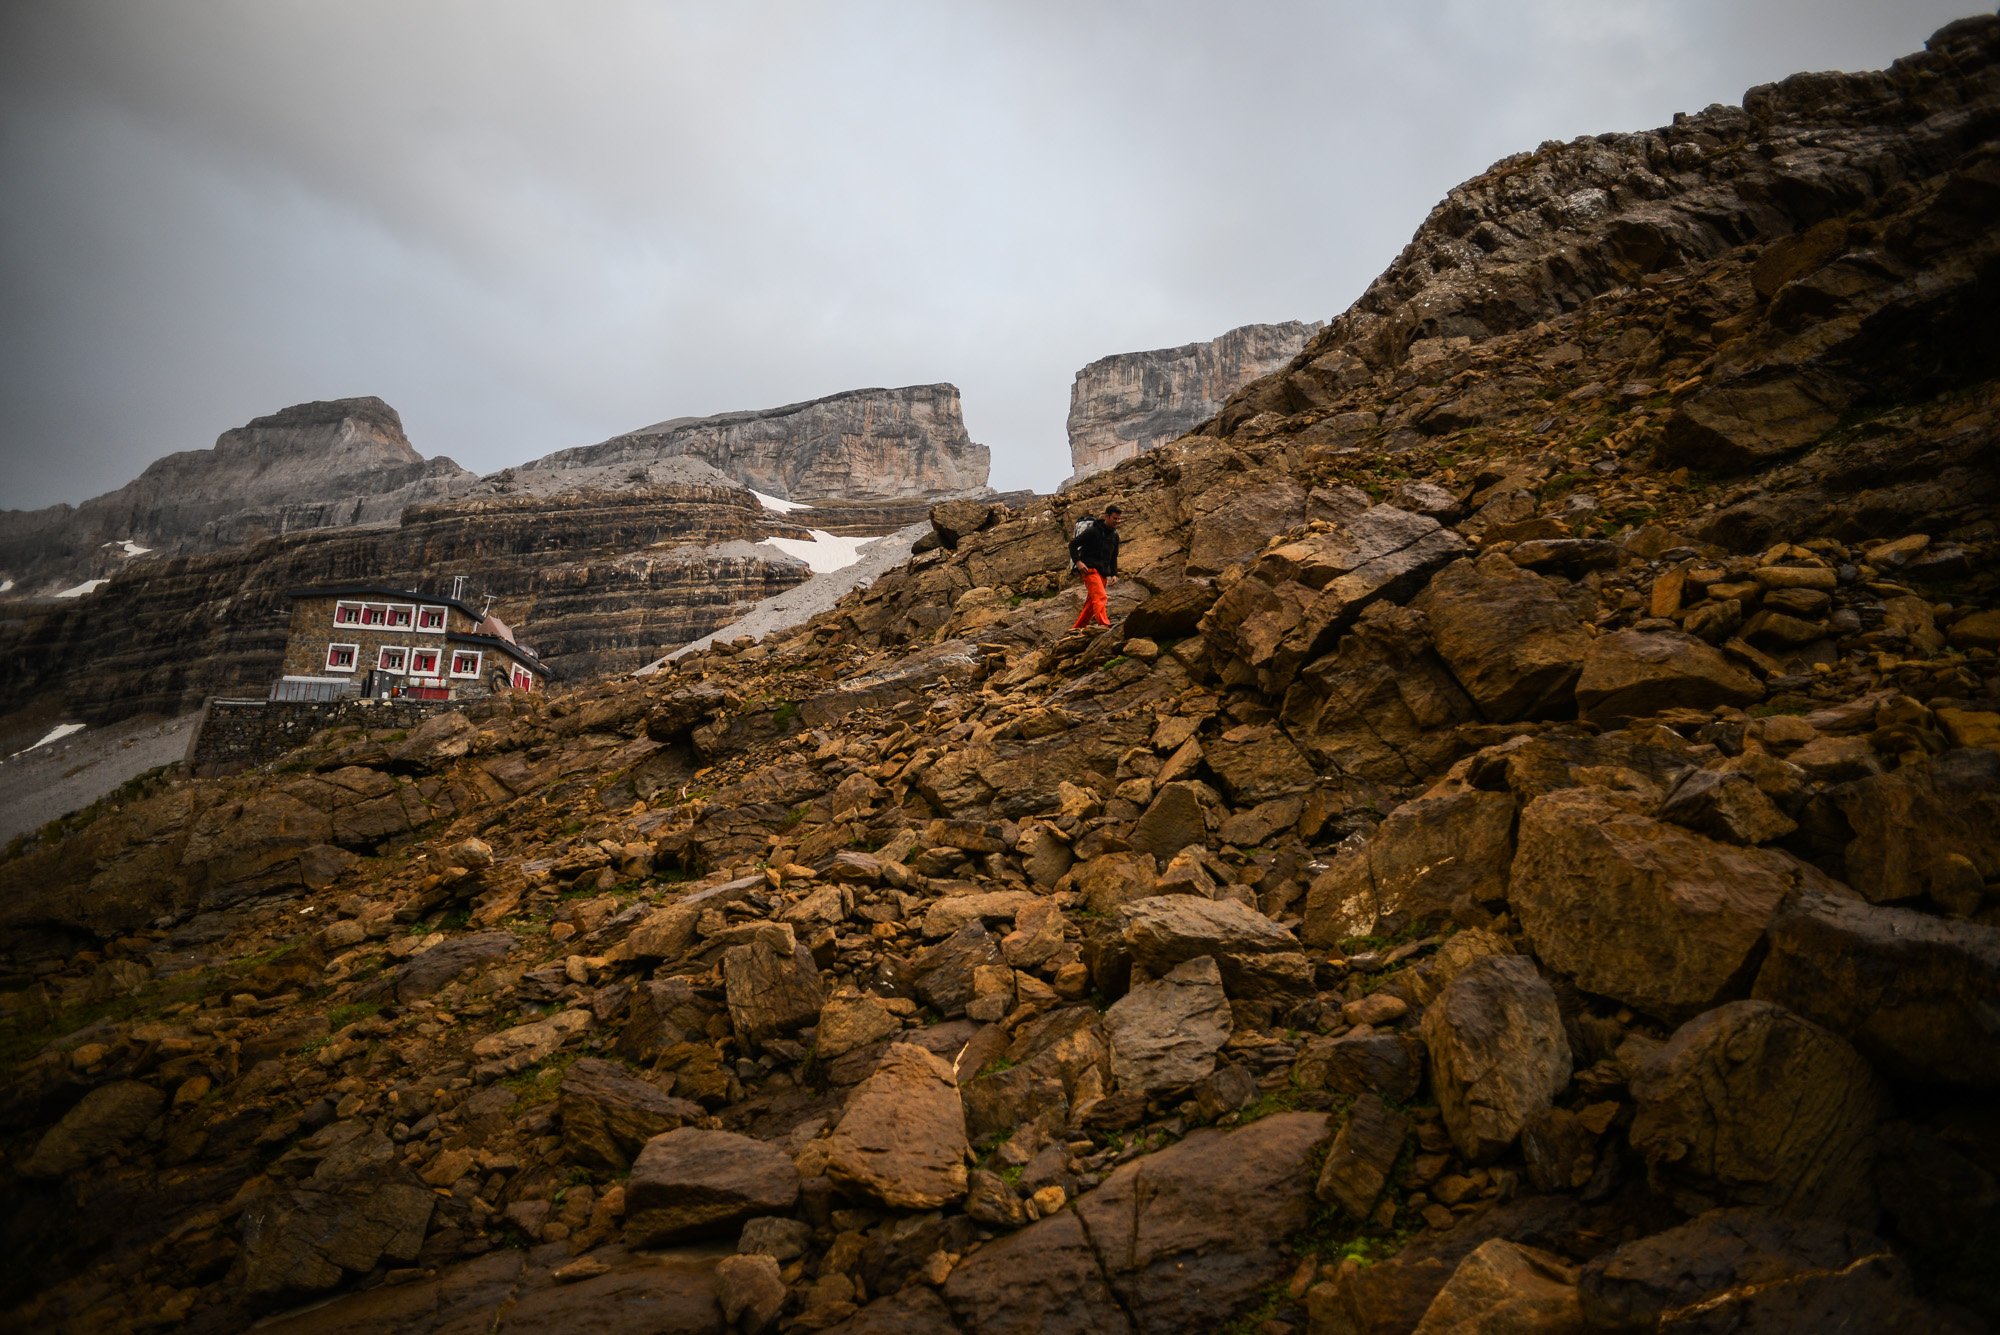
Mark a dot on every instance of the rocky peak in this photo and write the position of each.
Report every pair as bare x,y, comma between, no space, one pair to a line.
1127,403
361,432
864,444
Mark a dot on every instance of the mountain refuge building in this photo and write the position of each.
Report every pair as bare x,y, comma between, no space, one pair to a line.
374,642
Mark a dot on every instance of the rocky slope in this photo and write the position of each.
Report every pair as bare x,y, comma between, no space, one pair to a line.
313,465
1123,405
865,444
1522,861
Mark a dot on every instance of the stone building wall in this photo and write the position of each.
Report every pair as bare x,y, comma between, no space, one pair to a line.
313,629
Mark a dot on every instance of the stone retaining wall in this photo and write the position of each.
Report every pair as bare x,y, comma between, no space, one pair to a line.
236,734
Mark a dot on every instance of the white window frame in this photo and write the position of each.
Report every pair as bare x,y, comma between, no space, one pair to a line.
431,671
353,657
401,651
407,611
477,659
443,616
360,613
524,680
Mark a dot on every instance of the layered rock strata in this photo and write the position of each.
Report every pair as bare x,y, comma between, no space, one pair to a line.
861,445
1125,404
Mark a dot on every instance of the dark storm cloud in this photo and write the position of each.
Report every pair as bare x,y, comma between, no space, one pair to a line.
533,225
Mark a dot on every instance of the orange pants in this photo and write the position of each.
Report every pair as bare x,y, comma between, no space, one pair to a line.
1095,611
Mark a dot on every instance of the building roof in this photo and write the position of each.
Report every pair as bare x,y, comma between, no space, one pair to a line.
525,657
381,591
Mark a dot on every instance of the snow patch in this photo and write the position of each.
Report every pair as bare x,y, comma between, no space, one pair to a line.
6,586
826,552
129,547
55,734
88,586
779,504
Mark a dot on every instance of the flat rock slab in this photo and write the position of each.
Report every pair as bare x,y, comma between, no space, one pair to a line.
1257,957
1429,856
771,984
1498,1052
1750,1105
1638,910
693,1183
1165,1034
901,1140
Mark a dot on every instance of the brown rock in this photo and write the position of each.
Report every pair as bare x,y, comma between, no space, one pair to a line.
1431,855
1358,1165
1180,814
772,984
1511,642
1750,1105
1647,913
106,1120
607,1116
1164,1035
901,1139
1257,957
1503,1288
1631,674
943,973
1497,1051
1917,994
751,1292
1726,805
693,1183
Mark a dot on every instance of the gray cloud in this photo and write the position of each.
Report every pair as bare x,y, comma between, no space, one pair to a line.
534,225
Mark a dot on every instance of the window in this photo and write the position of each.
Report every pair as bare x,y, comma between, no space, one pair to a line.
342,656
423,662
347,614
431,619
464,663
524,680
374,615
401,616
392,659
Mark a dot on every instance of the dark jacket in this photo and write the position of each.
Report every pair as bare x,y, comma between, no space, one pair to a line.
1096,547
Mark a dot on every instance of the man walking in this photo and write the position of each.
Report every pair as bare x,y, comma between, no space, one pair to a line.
1094,553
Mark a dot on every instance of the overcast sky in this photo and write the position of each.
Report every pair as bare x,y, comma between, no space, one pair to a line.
534,225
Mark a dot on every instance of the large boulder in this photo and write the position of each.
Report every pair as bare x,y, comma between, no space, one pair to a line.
1754,1272
1640,911
1257,958
1298,597
1922,829
772,984
901,1140
1497,1051
693,1183
1381,707
1750,1105
943,973
1512,643
1429,857
1181,813
1165,1034
1749,423
308,1240
1918,994
1632,674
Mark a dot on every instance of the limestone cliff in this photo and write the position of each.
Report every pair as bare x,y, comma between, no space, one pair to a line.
865,444
312,465
1128,403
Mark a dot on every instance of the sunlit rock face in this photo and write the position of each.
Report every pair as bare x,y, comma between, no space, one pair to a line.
865,444
1126,404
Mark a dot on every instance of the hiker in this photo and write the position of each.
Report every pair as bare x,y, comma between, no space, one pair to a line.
1094,553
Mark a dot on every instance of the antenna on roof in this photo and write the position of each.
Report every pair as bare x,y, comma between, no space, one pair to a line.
486,609
457,586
